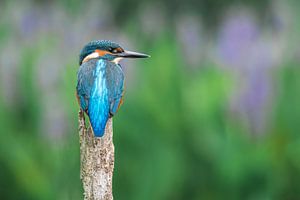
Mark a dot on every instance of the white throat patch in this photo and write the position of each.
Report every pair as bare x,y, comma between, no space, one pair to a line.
117,60
91,56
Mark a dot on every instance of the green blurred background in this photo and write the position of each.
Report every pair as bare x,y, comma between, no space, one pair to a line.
213,114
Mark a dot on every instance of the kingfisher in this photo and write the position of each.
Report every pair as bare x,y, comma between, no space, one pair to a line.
100,81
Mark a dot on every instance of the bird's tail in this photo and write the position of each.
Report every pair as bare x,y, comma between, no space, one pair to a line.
98,127
98,115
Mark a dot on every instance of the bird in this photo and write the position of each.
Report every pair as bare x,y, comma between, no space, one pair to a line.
100,81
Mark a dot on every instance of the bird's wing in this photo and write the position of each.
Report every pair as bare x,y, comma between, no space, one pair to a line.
93,93
115,80
85,82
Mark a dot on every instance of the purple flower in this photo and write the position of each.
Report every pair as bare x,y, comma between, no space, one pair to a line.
243,50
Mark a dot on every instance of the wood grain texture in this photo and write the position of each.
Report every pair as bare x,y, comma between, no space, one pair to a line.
97,161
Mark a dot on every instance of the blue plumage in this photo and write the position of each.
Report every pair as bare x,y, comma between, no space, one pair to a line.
100,89
98,108
100,81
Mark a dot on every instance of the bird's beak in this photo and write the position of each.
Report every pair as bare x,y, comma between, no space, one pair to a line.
131,54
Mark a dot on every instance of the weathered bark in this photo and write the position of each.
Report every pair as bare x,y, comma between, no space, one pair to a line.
97,161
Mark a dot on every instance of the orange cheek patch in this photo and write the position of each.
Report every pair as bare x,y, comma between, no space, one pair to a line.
97,53
119,50
102,52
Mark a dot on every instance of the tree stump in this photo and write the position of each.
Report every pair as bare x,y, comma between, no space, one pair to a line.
96,161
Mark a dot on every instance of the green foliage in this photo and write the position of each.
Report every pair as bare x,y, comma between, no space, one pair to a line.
175,137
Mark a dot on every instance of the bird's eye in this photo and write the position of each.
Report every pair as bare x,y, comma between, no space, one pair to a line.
110,49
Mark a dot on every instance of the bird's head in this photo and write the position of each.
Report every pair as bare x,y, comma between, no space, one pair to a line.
108,50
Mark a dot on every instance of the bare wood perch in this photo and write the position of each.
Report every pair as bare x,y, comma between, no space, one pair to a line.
97,161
